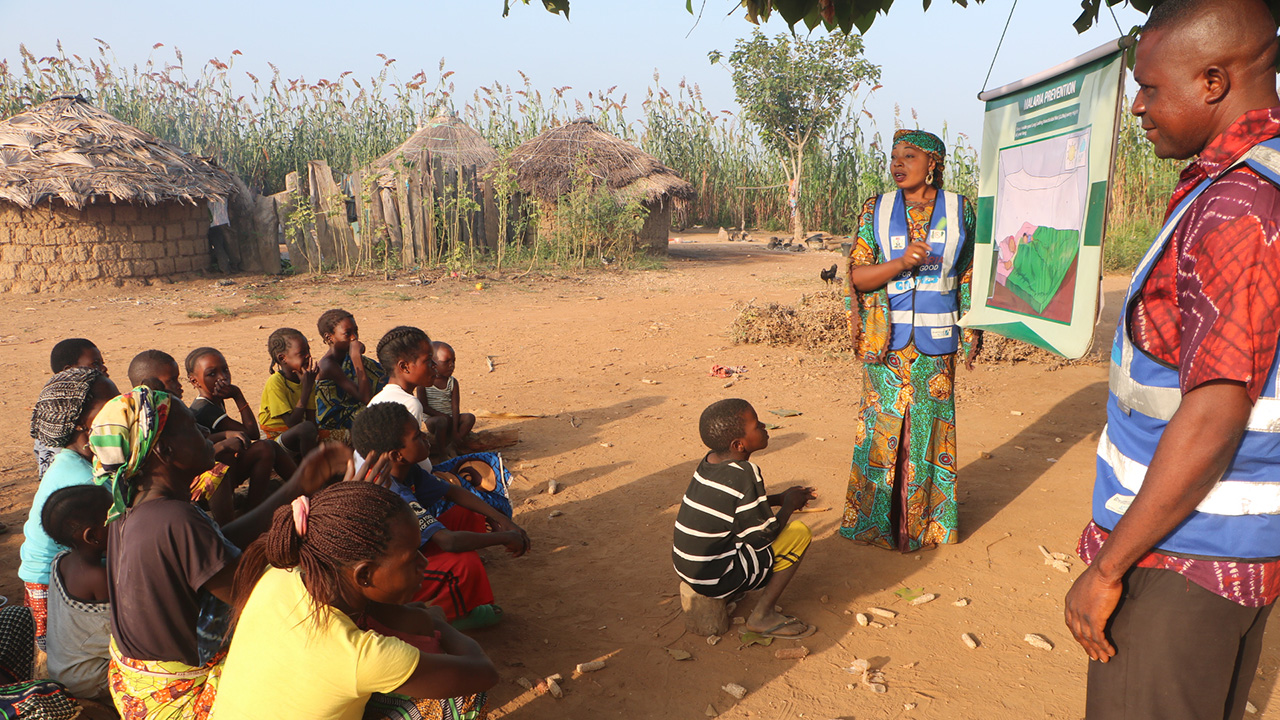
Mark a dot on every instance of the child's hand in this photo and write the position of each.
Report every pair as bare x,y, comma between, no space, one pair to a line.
232,392
796,497
309,372
355,351
321,465
231,445
376,469
518,544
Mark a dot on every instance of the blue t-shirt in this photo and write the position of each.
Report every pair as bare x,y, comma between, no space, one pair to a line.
38,549
420,488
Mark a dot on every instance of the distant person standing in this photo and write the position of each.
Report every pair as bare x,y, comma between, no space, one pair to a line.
909,274
1184,546
220,234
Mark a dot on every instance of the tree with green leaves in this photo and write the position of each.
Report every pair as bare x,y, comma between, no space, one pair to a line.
793,90
845,15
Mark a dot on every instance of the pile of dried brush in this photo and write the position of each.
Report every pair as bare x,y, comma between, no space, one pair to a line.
818,324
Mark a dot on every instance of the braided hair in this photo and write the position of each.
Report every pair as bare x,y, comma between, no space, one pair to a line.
278,344
61,404
400,343
329,320
195,355
347,523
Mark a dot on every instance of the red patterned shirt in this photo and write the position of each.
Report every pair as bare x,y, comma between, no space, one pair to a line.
1209,308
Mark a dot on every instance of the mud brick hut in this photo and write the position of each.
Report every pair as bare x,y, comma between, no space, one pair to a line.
547,165
446,137
85,197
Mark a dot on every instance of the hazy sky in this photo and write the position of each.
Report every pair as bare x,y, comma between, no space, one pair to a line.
932,62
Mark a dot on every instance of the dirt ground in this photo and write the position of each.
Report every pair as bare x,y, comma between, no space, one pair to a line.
617,364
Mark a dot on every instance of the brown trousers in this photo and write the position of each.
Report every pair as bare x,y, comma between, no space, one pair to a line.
1182,653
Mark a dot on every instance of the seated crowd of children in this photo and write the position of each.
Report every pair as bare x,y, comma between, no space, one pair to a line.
333,586
337,584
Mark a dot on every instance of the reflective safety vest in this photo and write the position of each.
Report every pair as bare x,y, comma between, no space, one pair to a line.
924,304
1240,517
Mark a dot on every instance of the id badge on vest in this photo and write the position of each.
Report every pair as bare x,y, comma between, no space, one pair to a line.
906,284
898,242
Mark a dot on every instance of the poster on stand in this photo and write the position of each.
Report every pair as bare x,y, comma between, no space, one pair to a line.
1048,149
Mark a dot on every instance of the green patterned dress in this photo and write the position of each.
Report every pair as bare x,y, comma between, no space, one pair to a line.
907,421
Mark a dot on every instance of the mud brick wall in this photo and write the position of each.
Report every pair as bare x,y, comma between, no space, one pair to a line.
51,246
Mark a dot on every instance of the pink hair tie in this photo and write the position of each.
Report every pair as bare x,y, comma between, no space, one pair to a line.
301,509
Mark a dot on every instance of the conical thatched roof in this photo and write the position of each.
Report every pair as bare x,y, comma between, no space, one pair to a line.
448,137
547,165
69,149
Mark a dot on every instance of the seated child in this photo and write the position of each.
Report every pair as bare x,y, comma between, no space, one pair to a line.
455,578
288,411
208,373
347,379
156,365
727,540
165,557
79,612
63,415
321,610
69,353
441,399
405,353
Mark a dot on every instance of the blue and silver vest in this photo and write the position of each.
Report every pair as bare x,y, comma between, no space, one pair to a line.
923,304
1240,518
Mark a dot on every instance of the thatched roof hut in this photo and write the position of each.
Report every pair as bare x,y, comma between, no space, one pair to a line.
547,165
448,137
84,196
71,150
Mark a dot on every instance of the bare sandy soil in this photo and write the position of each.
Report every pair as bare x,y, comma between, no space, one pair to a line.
617,363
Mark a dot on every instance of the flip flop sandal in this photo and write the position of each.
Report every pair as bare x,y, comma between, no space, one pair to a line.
773,631
481,617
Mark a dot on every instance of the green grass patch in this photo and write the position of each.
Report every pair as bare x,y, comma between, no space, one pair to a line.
399,296
1126,244
198,315
267,295
225,312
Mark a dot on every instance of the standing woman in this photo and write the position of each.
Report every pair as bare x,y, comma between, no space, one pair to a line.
909,272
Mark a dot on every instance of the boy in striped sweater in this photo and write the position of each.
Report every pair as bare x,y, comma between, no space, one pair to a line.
727,539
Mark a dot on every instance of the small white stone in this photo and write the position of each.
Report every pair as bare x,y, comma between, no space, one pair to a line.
962,602
882,612
735,690
863,620
970,641
925,598
1036,640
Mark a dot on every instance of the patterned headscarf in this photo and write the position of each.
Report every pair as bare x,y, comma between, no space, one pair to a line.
61,403
926,141
122,435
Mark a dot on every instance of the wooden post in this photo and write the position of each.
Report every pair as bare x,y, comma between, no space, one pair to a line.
405,214
489,210
361,240
703,615
301,254
431,191
337,241
421,201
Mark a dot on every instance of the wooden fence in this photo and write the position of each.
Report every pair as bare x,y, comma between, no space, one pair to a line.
417,212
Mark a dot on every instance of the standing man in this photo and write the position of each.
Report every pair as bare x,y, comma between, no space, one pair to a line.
1184,547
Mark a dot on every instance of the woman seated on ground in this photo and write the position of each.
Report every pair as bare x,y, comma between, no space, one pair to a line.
166,559
322,622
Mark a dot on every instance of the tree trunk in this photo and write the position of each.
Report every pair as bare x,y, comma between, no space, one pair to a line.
793,197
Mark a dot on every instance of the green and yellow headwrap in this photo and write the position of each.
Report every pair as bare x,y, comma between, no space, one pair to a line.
122,435
926,141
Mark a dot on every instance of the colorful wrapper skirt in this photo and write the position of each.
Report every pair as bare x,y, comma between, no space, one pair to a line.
159,690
